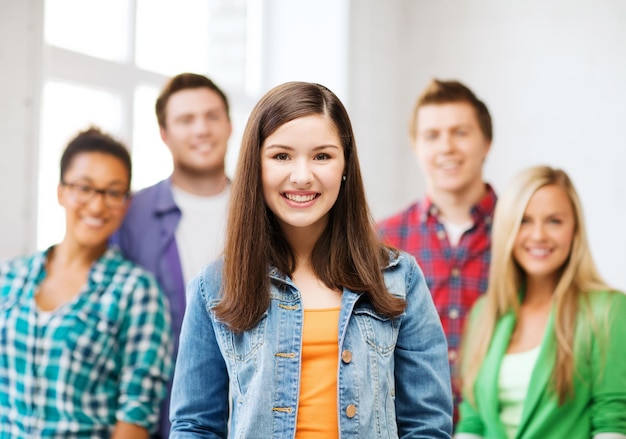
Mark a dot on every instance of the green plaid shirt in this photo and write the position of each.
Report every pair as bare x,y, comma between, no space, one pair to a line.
105,356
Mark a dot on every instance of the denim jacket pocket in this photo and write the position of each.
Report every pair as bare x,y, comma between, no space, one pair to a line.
379,332
240,347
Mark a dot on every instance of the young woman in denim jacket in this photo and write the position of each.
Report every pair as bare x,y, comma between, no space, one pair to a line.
544,354
309,327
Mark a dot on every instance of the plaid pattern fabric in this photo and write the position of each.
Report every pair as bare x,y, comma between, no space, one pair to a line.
101,358
456,276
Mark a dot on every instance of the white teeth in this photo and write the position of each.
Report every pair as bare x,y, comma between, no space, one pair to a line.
204,147
91,221
300,198
539,251
448,165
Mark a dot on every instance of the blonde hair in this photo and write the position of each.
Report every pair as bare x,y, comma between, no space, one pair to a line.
578,276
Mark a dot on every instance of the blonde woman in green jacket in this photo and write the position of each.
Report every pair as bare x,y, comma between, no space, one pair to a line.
543,355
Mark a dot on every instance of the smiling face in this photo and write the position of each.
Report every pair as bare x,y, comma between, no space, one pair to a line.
302,165
544,240
196,131
91,223
450,147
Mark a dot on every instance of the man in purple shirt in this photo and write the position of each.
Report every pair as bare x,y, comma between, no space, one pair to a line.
176,226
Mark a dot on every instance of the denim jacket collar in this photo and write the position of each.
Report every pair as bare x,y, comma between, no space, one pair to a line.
276,274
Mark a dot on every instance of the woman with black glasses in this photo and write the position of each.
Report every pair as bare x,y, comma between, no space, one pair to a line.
84,334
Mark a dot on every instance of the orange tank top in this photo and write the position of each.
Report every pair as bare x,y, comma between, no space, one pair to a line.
317,407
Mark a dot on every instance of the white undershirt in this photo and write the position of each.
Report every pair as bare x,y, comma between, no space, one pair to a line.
43,317
515,372
455,231
200,232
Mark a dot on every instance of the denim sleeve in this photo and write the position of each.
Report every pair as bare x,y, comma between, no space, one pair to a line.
422,373
199,404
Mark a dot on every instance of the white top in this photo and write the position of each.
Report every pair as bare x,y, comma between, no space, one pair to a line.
43,317
515,373
200,232
455,231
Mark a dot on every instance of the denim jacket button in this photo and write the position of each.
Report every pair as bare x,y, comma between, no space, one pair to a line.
351,411
346,356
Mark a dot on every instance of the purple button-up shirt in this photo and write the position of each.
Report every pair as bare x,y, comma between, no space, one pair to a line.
148,237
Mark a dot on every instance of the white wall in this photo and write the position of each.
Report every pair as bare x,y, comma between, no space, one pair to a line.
306,40
552,74
20,62
381,93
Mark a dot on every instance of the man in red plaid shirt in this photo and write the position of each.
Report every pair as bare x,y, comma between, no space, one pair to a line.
449,230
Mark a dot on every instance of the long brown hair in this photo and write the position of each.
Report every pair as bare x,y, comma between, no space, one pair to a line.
579,276
347,254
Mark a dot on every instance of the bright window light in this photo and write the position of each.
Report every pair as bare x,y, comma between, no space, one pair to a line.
106,61
97,28
152,161
172,37
67,109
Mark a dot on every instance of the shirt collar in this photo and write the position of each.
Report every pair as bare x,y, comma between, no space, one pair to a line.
481,211
275,273
98,267
164,199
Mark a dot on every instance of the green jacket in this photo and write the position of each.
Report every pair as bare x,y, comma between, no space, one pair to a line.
599,401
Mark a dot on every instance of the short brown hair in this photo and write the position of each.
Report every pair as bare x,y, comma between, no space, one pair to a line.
185,81
444,92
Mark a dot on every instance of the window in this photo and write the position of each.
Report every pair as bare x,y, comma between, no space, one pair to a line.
81,107
105,62
94,28
161,48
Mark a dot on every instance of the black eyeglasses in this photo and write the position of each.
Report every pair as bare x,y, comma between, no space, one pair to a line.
82,193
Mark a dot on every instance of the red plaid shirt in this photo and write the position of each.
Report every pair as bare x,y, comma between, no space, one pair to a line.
456,276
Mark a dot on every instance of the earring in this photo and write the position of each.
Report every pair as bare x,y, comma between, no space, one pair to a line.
343,178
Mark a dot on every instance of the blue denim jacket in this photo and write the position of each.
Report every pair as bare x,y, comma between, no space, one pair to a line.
395,384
